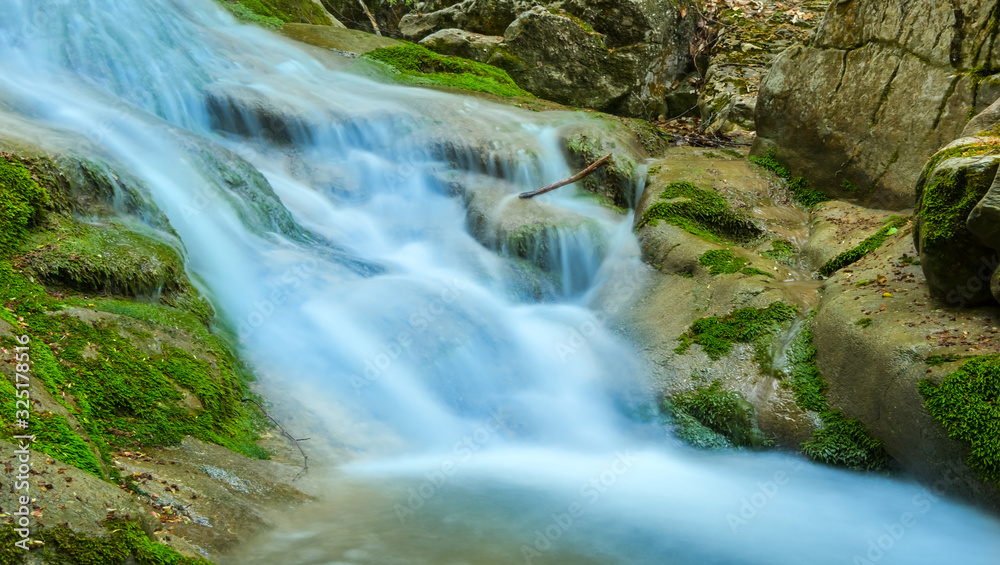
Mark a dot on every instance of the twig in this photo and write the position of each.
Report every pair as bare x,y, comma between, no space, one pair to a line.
597,165
305,458
364,7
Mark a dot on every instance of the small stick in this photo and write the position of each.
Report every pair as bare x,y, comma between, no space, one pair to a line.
597,165
371,18
305,458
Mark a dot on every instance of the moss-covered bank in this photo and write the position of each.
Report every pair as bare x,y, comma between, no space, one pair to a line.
417,65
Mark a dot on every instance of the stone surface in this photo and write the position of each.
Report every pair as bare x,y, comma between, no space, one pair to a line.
465,44
337,39
487,17
873,371
957,264
882,85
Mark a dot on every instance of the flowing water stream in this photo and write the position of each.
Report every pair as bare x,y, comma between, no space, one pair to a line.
490,407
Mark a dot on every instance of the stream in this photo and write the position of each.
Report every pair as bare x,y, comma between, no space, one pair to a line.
491,413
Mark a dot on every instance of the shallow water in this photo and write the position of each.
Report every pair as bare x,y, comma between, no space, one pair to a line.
493,423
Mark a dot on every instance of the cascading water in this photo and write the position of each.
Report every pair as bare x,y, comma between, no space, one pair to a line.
484,390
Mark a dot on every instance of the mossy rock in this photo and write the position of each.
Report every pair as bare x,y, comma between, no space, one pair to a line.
954,181
21,202
967,404
716,334
417,65
125,542
273,14
722,412
701,212
104,258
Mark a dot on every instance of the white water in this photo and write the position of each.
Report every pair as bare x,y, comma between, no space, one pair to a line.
406,336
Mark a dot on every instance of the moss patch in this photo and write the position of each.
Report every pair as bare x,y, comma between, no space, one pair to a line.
723,412
865,247
418,65
104,258
782,251
701,212
967,403
807,197
804,376
21,200
716,335
126,542
723,262
273,14
845,443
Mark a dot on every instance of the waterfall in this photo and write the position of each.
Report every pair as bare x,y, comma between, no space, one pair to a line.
364,242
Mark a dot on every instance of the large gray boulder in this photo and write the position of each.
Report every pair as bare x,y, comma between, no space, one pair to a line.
458,43
620,56
882,85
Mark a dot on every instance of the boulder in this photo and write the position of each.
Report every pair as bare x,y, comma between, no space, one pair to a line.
488,17
623,57
465,44
958,264
882,85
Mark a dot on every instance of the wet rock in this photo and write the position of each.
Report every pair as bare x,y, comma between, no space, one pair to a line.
459,43
955,261
879,89
487,17
339,40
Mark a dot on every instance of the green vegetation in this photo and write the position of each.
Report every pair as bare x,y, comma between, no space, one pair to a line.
945,198
967,403
807,197
107,259
845,443
126,542
848,186
21,199
864,323
723,262
865,247
716,335
273,14
417,65
721,412
842,441
935,360
120,386
804,377
701,212
782,251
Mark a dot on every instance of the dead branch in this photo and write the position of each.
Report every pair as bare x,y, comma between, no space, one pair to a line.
586,172
368,13
305,458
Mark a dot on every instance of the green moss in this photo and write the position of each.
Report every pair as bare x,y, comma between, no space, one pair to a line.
844,442
721,262
782,251
804,377
967,404
418,65
935,360
21,200
864,323
104,258
273,14
848,186
126,398
805,196
724,412
701,212
870,244
126,542
716,335
733,153
945,198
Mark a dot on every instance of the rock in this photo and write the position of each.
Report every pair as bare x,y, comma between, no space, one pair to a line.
872,351
957,264
621,57
875,94
458,43
551,55
487,17
340,40
983,122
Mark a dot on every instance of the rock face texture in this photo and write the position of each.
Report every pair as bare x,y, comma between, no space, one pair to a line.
881,86
622,57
